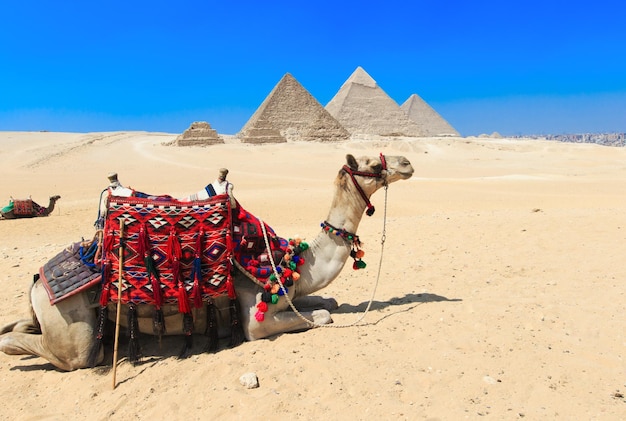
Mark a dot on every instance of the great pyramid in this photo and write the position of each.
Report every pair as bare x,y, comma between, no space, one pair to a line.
362,107
199,133
290,113
432,123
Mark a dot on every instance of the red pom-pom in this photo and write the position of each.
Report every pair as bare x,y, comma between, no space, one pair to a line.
262,306
267,286
301,262
259,316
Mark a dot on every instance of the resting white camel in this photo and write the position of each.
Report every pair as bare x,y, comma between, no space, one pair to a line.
63,333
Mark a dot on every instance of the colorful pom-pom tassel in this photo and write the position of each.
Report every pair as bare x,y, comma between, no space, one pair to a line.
274,298
259,316
262,306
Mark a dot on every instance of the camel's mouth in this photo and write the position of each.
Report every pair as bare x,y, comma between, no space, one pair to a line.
405,169
406,173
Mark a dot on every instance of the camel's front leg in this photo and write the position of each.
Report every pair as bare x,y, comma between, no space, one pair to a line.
286,321
279,318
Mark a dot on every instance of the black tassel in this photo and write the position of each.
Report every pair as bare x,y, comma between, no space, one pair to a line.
236,330
211,327
158,323
188,330
94,352
134,350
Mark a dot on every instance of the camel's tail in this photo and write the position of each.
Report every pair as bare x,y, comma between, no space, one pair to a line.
35,323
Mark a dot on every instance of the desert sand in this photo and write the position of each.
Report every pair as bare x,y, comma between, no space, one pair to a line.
501,290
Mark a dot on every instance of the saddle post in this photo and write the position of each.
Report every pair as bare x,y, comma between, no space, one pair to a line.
119,299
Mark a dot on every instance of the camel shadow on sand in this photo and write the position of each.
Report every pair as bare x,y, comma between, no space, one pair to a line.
413,300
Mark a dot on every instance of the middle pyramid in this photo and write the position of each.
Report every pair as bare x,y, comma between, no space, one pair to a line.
362,107
291,113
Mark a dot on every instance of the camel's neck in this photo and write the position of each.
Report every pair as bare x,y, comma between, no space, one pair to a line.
50,207
328,252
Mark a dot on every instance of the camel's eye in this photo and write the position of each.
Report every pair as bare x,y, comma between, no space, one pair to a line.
377,168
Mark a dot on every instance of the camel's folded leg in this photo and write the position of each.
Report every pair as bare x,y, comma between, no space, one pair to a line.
18,343
286,321
23,325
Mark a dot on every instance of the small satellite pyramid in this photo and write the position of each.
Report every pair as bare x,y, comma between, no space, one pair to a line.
199,133
432,123
290,113
362,107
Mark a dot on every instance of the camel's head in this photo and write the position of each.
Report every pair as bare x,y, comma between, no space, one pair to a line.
381,169
368,174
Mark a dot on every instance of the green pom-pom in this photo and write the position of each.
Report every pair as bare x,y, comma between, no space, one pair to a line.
273,277
274,298
304,245
293,265
361,264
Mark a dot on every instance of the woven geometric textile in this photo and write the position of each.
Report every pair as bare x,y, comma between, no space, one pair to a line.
169,246
23,207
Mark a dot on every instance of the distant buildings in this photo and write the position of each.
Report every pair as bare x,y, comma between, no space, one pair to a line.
605,139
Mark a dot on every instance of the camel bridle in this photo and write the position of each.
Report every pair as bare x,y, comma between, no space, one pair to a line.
382,174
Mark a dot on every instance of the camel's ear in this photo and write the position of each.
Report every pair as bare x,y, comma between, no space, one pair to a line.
351,160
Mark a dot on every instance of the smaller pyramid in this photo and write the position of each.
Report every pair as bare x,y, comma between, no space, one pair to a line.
362,107
199,133
432,123
290,113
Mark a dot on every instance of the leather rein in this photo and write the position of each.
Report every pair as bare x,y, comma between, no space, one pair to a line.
370,208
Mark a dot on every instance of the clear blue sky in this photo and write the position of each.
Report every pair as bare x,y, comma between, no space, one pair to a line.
516,67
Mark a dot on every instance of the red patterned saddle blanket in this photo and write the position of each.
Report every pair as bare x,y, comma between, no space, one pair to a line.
173,252
23,207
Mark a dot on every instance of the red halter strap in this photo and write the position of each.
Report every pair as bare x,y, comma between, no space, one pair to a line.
370,209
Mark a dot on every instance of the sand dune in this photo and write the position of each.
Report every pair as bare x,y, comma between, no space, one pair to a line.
501,290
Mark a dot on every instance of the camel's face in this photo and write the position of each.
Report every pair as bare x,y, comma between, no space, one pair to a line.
397,168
